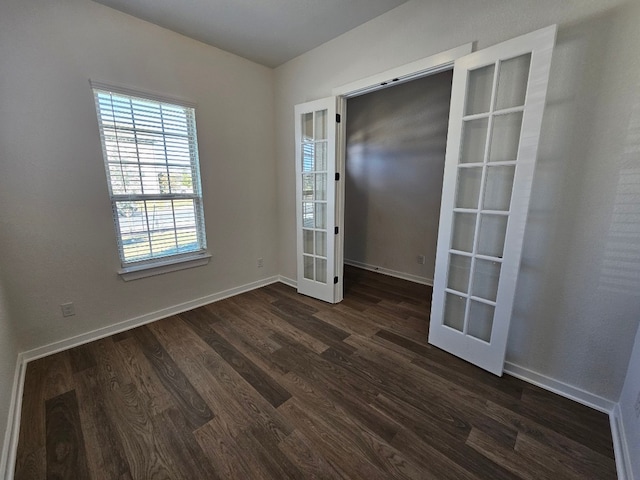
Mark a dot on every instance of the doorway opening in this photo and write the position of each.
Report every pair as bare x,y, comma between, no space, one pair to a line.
394,162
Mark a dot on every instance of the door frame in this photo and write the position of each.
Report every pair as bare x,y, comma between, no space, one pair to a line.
423,67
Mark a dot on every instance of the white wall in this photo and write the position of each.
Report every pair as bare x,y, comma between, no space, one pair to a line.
630,409
396,140
8,357
56,233
577,300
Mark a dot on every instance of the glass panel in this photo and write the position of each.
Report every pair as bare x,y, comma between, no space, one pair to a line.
321,270
133,230
308,267
185,213
459,269
131,182
321,125
505,137
468,189
307,157
480,320
163,243
493,229
307,186
486,274
474,138
321,186
308,215
454,306
512,82
321,244
479,90
321,215
180,179
321,156
307,241
464,227
307,127
154,179
497,189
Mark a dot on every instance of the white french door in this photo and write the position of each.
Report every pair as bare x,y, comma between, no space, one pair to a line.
315,136
497,101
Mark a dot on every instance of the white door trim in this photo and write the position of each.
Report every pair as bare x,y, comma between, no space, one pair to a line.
404,73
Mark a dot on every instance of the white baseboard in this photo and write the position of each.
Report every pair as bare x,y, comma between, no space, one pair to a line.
620,445
8,457
10,445
391,273
563,389
142,320
288,281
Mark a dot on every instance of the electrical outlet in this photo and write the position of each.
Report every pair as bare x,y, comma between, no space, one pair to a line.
68,309
638,406
260,263
421,259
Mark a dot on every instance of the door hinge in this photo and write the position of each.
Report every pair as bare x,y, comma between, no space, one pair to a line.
336,230
337,176
338,118
335,280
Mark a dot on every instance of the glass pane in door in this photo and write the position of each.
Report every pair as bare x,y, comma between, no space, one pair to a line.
512,82
321,270
468,189
491,235
498,187
486,274
308,267
459,269
321,125
321,186
307,127
454,309
321,156
479,90
321,244
474,138
307,157
307,241
464,227
480,320
505,137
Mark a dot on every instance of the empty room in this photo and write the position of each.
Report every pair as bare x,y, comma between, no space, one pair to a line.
320,239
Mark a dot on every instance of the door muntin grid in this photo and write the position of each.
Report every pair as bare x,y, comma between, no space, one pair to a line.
492,123
315,183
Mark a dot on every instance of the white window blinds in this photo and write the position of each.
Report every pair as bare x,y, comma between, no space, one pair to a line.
151,159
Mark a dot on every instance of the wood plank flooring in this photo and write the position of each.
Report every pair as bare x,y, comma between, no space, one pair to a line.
273,385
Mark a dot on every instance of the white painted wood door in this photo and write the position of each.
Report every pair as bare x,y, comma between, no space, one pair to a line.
497,101
315,137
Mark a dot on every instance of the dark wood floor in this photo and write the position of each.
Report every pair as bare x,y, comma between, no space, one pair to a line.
270,384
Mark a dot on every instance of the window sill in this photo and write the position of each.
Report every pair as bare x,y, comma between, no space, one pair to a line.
164,266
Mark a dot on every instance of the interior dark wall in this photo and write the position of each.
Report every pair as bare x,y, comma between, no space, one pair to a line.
396,141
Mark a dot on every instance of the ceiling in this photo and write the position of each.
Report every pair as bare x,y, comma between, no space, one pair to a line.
269,32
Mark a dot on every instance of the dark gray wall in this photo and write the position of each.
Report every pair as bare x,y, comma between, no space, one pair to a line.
396,140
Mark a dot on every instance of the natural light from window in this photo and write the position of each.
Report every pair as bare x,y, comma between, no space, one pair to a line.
151,160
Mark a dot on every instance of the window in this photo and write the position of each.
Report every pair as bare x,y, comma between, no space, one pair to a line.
151,160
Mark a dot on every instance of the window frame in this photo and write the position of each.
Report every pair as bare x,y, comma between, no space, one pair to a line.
158,264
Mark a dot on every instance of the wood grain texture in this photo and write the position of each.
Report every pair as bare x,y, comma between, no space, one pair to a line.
66,457
273,385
